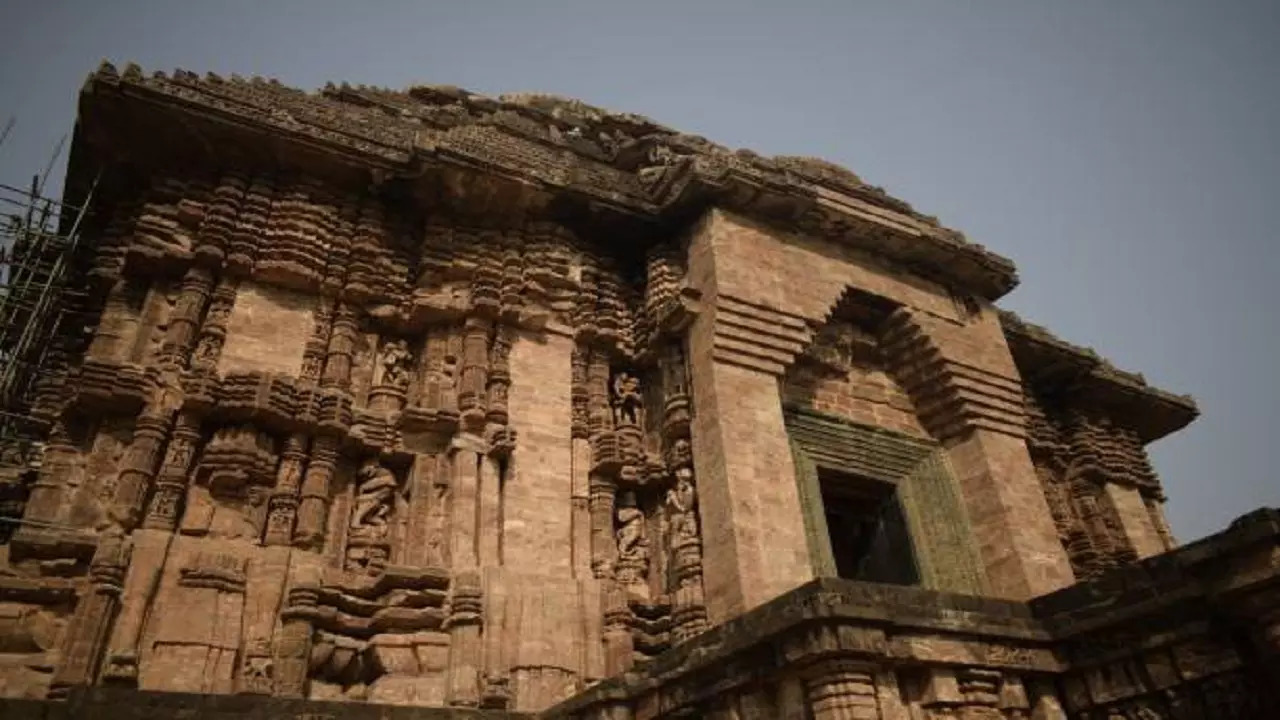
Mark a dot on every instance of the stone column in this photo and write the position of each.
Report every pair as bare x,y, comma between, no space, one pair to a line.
184,321
840,689
489,530
313,508
282,508
317,347
291,650
342,344
604,548
46,499
424,476
171,483
499,383
474,376
86,636
138,466
467,452
465,650
619,645
117,325
213,333
582,510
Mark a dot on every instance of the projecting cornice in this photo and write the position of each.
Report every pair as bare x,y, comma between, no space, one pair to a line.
536,153
609,163
1054,366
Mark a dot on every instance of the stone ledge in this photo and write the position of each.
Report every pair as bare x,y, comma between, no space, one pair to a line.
121,704
1126,612
1049,363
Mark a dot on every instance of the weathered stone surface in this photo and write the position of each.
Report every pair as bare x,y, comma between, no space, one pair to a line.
429,404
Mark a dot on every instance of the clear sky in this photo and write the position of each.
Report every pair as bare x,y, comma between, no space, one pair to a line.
1125,154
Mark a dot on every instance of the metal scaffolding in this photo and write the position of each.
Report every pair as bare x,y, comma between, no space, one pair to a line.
39,237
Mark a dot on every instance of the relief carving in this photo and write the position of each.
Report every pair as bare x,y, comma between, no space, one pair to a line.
394,362
373,499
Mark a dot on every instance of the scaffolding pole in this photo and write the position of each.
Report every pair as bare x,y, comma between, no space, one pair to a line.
37,295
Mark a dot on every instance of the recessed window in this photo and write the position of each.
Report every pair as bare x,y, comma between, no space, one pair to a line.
865,526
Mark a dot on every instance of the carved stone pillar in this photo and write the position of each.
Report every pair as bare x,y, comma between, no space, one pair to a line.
137,468
604,548
499,377
46,498
468,450
291,649
619,645
342,344
184,321
840,689
465,649
689,609
213,332
475,368
317,347
489,513
282,508
171,483
86,636
580,392
313,507
424,546
598,419
117,326
434,380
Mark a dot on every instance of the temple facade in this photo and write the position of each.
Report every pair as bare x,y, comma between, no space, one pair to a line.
517,407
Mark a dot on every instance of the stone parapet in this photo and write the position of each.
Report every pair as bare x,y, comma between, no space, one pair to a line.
1190,633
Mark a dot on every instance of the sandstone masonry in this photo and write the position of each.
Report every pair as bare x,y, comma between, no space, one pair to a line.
394,400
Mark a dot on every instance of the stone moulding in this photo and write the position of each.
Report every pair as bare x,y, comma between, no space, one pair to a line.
1051,364
687,173
1085,637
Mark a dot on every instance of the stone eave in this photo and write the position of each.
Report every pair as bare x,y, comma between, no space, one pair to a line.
1056,367
778,191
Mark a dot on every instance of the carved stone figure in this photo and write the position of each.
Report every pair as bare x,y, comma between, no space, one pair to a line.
631,536
626,399
660,160
373,497
394,360
680,502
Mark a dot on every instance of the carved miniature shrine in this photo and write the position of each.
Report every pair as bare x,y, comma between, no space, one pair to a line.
520,407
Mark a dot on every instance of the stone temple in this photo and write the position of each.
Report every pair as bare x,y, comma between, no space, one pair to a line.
419,404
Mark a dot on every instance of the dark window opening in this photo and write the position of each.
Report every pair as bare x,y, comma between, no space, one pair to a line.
868,534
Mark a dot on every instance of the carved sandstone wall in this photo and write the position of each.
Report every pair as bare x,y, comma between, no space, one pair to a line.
436,464
424,398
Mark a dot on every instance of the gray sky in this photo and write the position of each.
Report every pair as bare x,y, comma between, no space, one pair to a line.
1125,154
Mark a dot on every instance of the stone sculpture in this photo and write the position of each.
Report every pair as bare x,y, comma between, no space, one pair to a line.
374,495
